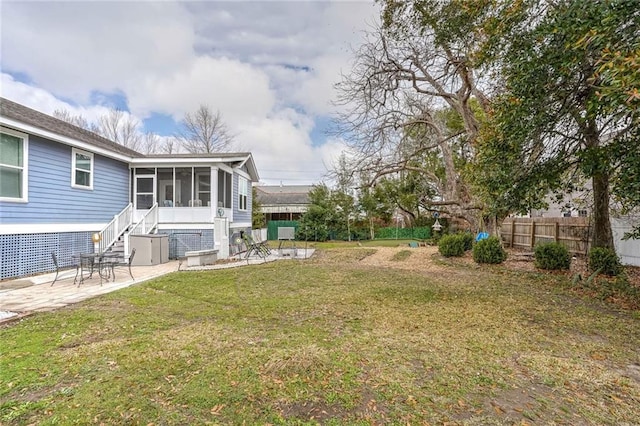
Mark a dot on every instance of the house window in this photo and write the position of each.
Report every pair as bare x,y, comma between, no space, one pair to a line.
224,189
243,193
82,169
582,213
13,166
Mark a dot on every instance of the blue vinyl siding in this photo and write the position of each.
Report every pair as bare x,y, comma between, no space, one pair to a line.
238,215
53,200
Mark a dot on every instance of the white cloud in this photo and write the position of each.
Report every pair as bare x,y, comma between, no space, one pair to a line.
74,48
253,61
239,91
43,101
283,150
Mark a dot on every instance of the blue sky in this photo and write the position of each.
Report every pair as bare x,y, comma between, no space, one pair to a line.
269,67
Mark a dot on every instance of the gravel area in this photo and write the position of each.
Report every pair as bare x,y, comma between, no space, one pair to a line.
421,258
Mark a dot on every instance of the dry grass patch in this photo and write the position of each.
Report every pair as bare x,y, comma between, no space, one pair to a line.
401,255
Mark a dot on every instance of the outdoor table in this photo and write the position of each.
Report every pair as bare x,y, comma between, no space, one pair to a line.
108,261
88,261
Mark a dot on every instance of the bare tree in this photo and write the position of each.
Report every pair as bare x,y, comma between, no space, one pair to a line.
170,146
150,143
412,104
204,132
76,120
121,128
115,125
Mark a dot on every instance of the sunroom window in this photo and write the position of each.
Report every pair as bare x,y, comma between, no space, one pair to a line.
13,166
224,189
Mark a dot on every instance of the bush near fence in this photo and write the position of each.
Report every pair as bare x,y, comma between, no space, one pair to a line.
418,233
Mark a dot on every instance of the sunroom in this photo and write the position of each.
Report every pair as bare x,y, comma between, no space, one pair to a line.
190,188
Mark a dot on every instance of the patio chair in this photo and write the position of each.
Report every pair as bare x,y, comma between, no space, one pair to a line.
123,263
55,263
259,248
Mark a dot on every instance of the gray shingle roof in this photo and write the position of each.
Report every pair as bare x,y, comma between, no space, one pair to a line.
42,121
283,195
201,155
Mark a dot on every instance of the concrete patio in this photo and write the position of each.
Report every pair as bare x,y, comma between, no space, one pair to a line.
24,296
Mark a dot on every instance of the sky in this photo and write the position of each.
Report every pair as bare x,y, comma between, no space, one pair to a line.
269,67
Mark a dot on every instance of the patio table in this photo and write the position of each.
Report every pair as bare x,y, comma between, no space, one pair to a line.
89,260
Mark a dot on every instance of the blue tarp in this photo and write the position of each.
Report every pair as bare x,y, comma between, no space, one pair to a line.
481,236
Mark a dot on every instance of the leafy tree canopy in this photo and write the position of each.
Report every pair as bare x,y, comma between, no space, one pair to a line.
569,109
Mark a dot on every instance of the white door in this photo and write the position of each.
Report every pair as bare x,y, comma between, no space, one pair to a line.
145,196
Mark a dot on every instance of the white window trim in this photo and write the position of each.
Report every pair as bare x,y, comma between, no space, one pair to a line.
242,180
25,166
75,151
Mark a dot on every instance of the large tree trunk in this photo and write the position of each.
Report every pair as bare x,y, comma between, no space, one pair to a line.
602,235
372,232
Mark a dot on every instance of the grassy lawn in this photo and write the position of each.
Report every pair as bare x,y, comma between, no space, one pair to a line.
328,340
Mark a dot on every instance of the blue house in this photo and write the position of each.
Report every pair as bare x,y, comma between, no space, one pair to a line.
60,185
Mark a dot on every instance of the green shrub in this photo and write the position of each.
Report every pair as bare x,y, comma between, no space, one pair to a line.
552,256
451,245
489,250
467,237
604,260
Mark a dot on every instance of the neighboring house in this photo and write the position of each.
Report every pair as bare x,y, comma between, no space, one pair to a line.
574,204
60,185
283,202
282,206
577,204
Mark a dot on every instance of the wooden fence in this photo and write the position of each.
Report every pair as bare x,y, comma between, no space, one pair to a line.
523,232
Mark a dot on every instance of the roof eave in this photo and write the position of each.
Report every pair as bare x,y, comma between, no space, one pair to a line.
33,130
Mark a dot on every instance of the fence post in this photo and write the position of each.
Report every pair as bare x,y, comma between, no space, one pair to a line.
533,233
555,236
513,231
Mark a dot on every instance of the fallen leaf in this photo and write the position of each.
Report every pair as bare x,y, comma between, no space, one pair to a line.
216,409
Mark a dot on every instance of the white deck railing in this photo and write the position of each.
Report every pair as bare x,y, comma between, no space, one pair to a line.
115,228
144,226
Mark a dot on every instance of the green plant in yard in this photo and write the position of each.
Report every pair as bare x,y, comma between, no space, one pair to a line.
401,255
467,237
552,256
489,250
604,260
451,245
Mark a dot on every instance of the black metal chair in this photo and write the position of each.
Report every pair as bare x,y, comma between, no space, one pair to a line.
123,264
54,257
